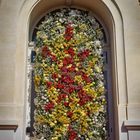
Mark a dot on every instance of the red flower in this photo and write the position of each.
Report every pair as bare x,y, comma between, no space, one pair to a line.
54,75
73,135
61,97
68,32
49,84
65,90
64,69
71,69
70,51
82,102
67,79
60,86
66,104
53,57
68,89
86,52
78,87
69,129
86,78
71,89
45,51
84,98
83,55
67,60
49,106
69,114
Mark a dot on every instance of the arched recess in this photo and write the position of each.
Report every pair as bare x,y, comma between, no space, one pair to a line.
110,16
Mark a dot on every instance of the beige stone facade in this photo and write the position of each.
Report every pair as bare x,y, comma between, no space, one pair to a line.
121,19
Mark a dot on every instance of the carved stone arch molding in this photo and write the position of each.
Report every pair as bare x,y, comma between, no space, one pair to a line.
108,13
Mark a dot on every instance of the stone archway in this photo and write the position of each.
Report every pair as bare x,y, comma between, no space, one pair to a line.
103,37
113,23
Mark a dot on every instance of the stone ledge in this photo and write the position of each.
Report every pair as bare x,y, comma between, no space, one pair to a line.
132,125
8,125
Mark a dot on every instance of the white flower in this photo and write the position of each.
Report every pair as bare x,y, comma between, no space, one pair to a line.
72,13
42,138
97,43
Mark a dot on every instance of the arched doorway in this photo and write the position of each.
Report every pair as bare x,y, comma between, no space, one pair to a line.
100,36
109,14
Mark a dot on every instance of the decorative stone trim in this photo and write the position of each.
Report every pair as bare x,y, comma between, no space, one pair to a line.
31,44
132,125
35,9
68,2
8,127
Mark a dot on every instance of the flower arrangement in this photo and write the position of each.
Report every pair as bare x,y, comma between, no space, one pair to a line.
70,99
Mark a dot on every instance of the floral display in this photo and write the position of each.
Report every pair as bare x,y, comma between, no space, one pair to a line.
70,101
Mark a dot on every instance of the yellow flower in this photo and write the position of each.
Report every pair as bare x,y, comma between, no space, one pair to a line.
75,99
74,117
83,130
69,66
60,64
52,89
92,108
52,124
77,64
65,45
89,89
98,69
40,119
90,134
53,94
101,89
89,71
64,120
84,125
78,78
60,130
37,81
55,138
83,26
80,112
72,106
